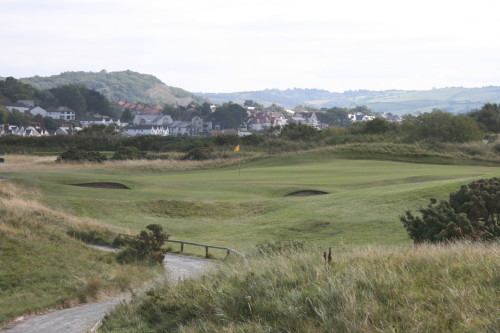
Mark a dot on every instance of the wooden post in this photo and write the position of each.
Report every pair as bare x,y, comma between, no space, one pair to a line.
182,247
206,251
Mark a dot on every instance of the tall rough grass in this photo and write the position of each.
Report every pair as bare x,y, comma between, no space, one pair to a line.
15,163
453,288
42,267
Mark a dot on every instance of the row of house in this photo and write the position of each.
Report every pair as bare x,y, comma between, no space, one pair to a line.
25,106
32,131
165,125
260,120
360,116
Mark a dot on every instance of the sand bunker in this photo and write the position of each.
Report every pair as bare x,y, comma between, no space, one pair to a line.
306,193
113,186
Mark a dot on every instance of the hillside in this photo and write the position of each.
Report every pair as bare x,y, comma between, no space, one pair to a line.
400,102
125,85
43,267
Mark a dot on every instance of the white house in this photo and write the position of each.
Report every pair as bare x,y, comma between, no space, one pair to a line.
17,106
180,128
103,120
200,127
157,120
31,131
62,112
39,111
146,130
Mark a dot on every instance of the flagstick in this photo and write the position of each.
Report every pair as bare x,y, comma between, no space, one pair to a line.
239,163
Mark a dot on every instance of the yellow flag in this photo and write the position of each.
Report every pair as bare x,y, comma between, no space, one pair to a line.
237,148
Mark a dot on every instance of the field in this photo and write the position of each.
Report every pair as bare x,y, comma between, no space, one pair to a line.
222,206
210,202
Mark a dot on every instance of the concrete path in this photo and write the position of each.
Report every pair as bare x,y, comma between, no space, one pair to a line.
87,317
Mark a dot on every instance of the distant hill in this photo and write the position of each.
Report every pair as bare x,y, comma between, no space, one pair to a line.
125,85
456,99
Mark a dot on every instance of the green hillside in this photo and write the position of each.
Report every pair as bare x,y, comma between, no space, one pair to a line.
400,102
125,85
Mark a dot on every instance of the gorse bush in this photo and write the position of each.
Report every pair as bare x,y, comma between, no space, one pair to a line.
147,247
128,153
472,212
79,155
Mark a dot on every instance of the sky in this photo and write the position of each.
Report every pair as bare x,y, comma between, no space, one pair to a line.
240,45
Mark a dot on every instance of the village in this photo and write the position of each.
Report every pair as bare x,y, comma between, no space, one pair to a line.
149,120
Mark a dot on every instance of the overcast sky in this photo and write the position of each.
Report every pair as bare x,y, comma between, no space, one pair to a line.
236,45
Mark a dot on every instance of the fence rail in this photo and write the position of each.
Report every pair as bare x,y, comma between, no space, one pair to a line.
229,250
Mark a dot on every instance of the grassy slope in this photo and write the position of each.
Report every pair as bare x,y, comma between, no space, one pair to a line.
371,289
41,267
219,207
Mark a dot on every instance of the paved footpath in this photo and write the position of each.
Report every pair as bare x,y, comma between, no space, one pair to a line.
86,317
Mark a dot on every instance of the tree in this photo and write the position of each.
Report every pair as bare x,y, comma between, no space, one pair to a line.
442,126
334,117
97,103
14,90
229,115
127,116
299,132
173,111
276,108
203,110
473,212
50,123
4,115
488,118
71,96
19,118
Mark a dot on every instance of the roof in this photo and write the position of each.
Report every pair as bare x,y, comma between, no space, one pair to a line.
145,127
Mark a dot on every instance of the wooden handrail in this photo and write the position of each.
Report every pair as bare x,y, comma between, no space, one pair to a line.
229,250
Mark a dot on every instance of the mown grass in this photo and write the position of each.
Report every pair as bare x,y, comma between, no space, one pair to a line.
429,288
211,203
216,205
42,267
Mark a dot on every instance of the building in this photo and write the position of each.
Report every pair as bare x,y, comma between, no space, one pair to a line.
146,130
62,113
157,120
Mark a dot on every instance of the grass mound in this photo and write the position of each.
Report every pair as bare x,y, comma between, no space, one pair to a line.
398,289
43,267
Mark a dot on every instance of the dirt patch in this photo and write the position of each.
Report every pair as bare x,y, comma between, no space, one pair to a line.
113,186
305,193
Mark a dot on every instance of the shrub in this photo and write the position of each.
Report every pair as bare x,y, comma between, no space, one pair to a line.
472,212
147,247
128,153
199,154
78,155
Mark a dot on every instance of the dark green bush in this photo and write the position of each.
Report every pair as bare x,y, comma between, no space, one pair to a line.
79,155
473,212
147,247
199,154
128,153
